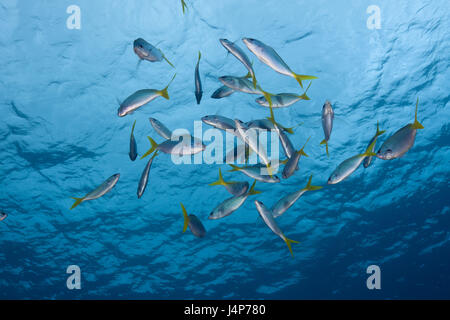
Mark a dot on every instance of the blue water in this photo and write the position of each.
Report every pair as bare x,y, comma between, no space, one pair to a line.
61,137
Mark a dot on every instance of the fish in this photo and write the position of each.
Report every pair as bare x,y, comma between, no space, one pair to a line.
232,204
222,92
3,215
100,191
287,201
270,57
283,100
368,160
133,145
242,84
140,98
198,82
291,165
177,147
161,129
347,167
400,142
183,6
252,142
327,123
268,218
240,153
220,122
193,223
254,172
144,177
146,51
233,187
236,51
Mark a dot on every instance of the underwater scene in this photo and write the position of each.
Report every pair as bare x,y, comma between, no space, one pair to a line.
224,149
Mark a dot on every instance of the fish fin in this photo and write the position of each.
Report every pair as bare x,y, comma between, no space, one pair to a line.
167,60
184,6
164,93
369,152
300,78
78,201
310,187
268,97
379,132
304,96
255,83
325,142
252,190
284,161
272,119
199,56
301,151
154,145
417,124
219,182
248,75
235,168
289,242
186,218
132,129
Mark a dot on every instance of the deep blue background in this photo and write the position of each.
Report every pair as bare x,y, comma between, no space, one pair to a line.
61,137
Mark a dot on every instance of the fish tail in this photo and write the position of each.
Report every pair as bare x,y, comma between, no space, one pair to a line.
167,60
289,242
272,119
304,96
184,6
268,97
235,168
78,201
154,145
219,182
199,56
369,149
417,124
134,125
164,93
379,132
325,142
249,75
301,151
252,190
253,80
186,218
301,77
310,187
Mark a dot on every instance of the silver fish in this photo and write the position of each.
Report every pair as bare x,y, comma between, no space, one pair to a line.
400,142
270,57
186,145
268,218
198,82
193,223
140,98
222,92
368,160
241,56
292,164
327,123
232,204
233,187
287,201
133,145
282,100
100,191
242,84
254,172
161,129
146,51
347,167
144,177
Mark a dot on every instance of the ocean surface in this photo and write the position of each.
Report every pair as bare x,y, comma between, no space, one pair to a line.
61,138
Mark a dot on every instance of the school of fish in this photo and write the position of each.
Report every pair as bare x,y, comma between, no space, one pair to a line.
393,147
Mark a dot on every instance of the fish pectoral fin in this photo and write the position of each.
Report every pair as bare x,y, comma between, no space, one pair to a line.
78,201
